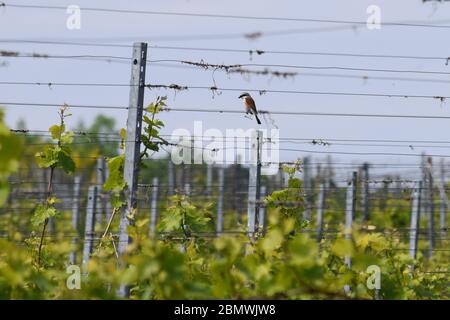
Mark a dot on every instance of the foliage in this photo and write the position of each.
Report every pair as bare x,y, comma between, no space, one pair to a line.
186,260
10,150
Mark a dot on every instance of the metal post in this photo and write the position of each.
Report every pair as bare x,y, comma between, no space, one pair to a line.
89,224
430,207
262,213
365,192
415,219
132,147
350,211
108,205
443,200
349,216
209,179
187,189
254,182
171,178
307,188
221,182
75,208
100,180
320,209
154,206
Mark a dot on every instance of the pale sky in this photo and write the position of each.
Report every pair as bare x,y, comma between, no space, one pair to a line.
32,24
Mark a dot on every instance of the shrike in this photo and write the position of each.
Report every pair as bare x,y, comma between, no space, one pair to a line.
250,105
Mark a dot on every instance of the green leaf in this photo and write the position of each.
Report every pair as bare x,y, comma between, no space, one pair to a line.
115,181
65,162
67,138
56,131
123,134
42,213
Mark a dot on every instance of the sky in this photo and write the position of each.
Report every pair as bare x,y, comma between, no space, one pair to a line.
165,30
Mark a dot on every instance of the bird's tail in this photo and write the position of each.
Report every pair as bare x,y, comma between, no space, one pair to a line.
257,119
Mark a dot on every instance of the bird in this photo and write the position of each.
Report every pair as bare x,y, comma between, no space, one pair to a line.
250,105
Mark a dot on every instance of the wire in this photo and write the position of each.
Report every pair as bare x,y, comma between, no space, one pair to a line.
85,133
222,16
247,51
51,84
264,91
25,104
328,114
205,66
314,53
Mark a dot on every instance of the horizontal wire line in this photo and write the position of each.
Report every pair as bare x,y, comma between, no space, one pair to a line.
333,114
315,53
235,66
248,51
222,16
83,133
263,91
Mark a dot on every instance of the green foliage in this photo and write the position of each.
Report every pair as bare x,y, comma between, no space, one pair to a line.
10,150
151,138
181,261
184,217
58,155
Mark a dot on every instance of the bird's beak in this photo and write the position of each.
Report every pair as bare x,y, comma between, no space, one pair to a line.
240,96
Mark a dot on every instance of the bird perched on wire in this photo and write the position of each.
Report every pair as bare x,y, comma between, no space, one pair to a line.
250,106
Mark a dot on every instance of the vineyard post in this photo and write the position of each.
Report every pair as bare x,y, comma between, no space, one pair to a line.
209,178
349,216
320,209
100,180
254,181
89,224
307,187
187,189
75,208
443,200
107,202
154,205
365,192
221,182
132,147
427,200
262,213
171,178
415,219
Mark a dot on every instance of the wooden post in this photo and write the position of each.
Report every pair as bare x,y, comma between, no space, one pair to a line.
89,224
75,209
254,182
220,196
132,147
415,221
154,206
